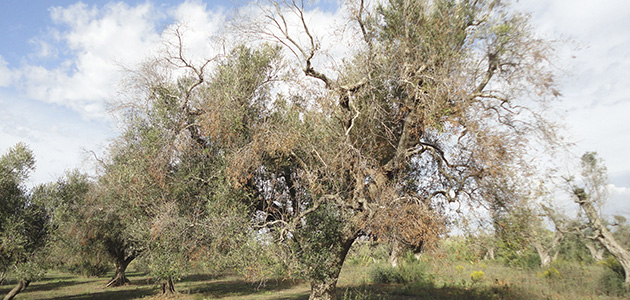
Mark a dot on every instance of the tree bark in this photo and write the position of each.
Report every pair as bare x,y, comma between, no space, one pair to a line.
596,252
489,254
545,257
326,288
603,235
120,278
395,254
168,287
21,286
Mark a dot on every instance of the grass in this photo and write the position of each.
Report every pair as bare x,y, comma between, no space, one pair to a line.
440,279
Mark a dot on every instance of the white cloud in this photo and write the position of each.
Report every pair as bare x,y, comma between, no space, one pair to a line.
596,93
55,134
58,105
6,75
198,27
619,201
95,44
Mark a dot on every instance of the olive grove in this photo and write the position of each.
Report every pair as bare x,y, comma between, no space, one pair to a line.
268,159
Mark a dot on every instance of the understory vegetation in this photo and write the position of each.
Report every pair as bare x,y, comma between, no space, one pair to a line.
367,274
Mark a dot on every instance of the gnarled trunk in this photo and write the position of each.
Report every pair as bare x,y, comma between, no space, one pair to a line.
21,286
120,278
545,257
596,252
326,288
603,235
168,287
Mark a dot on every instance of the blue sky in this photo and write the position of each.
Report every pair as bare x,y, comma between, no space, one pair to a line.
61,62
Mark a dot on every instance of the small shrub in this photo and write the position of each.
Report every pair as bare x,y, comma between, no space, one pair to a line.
550,273
385,274
612,280
611,284
528,260
477,276
613,265
409,272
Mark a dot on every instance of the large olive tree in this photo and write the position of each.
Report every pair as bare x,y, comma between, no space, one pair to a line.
436,104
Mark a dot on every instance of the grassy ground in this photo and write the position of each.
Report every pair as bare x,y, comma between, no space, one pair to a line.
440,280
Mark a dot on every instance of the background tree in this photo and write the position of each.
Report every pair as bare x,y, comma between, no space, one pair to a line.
593,195
23,220
74,246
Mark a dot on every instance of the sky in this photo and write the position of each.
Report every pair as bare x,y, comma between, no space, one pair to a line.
62,61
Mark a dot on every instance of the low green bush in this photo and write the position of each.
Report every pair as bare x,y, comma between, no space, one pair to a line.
409,272
612,280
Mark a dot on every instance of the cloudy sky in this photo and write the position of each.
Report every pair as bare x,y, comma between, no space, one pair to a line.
61,61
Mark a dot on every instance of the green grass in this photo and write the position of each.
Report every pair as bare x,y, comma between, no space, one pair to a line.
441,279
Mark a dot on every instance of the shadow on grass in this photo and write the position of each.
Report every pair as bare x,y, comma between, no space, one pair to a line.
50,285
235,287
112,294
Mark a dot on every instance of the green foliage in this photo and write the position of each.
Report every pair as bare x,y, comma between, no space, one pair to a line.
477,276
364,253
613,265
89,268
24,224
318,240
385,274
611,284
612,280
572,249
410,272
460,249
526,259
549,273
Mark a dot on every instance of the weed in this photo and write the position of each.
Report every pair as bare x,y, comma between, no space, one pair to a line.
477,276
549,273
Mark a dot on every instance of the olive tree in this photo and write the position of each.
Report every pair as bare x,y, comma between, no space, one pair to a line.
436,102
23,220
435,105
591,195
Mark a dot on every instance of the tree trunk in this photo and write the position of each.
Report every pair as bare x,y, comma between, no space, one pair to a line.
168,287
21,286
326,288
489,254
603,235
120,278
545,257
596,252
395,254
